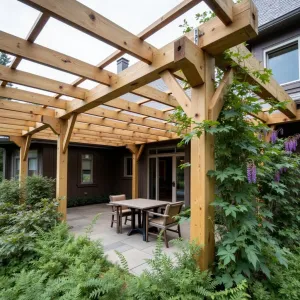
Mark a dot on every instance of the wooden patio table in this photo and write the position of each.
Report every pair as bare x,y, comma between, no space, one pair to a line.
143,205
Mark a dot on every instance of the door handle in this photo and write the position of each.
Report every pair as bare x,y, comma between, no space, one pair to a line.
173,183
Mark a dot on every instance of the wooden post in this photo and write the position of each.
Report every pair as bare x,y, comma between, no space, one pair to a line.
136,154
24,144
202,160
62,170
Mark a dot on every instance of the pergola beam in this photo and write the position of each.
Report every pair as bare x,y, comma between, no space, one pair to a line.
36,29
45,56
90,22
164,20
223,9
42,83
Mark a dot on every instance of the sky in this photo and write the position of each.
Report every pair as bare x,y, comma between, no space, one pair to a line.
134,15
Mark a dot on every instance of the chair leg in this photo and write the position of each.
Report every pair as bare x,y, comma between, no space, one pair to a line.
147,226
120,222
125,220
166,239
179,232
112,221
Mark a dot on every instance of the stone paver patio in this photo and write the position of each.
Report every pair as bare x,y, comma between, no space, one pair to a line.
134,249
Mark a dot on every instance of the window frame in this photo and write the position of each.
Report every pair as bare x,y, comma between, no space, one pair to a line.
282,45
125,166
16,164
92,169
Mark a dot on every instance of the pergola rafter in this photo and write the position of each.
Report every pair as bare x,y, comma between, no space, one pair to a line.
101,116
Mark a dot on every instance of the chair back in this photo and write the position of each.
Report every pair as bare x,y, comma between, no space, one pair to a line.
172,210
115,198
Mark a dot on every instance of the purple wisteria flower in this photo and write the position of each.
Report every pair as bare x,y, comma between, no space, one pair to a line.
274,135
277,177
251,172
290,145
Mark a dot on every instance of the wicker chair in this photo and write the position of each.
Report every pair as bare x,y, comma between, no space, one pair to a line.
123,212
164,221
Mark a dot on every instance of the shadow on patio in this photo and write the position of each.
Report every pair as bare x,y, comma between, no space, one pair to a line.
134,249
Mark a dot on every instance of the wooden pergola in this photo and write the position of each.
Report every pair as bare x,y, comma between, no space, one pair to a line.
85,120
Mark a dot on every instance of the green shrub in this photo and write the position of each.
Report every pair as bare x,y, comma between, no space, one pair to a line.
64,267
9,191
80,201
19,227
39,187
284,282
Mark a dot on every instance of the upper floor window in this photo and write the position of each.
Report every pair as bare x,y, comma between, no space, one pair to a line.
87,168
128,166
284,61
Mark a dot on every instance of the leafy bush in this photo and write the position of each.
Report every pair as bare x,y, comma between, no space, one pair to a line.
9,191
284,284
80,201
39,187
64,267
19,226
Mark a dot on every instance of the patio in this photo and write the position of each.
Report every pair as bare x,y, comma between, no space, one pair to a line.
134,249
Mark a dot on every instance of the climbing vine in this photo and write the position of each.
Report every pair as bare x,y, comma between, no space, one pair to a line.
257,195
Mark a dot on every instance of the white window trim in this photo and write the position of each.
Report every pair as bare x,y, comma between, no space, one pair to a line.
92,169
125,167
287,42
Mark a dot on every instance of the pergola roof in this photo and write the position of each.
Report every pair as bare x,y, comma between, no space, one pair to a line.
102,115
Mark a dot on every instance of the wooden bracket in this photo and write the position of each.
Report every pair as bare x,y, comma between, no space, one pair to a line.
177,91
26,147
54,123
23,143
71,123
132,148
217,101
138,156
190,58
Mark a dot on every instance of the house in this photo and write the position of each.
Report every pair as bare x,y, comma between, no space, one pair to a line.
95,171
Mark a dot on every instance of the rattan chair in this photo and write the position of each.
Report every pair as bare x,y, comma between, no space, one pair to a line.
164,221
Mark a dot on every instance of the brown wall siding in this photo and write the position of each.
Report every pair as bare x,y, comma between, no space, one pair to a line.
108,169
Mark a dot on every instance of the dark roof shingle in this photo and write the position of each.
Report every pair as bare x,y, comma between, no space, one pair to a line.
269,10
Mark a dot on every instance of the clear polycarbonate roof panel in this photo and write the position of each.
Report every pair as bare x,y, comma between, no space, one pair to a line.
44,71
30,89
73,42
88,84
131,97
17,18
157,105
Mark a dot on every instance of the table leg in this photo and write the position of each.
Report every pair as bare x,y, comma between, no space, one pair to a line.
132,218
144,225
133,228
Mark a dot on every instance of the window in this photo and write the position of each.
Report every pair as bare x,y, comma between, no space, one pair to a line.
284,61
87,168
128,166
32,163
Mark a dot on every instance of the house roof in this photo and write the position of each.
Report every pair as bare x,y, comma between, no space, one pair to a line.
270,10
